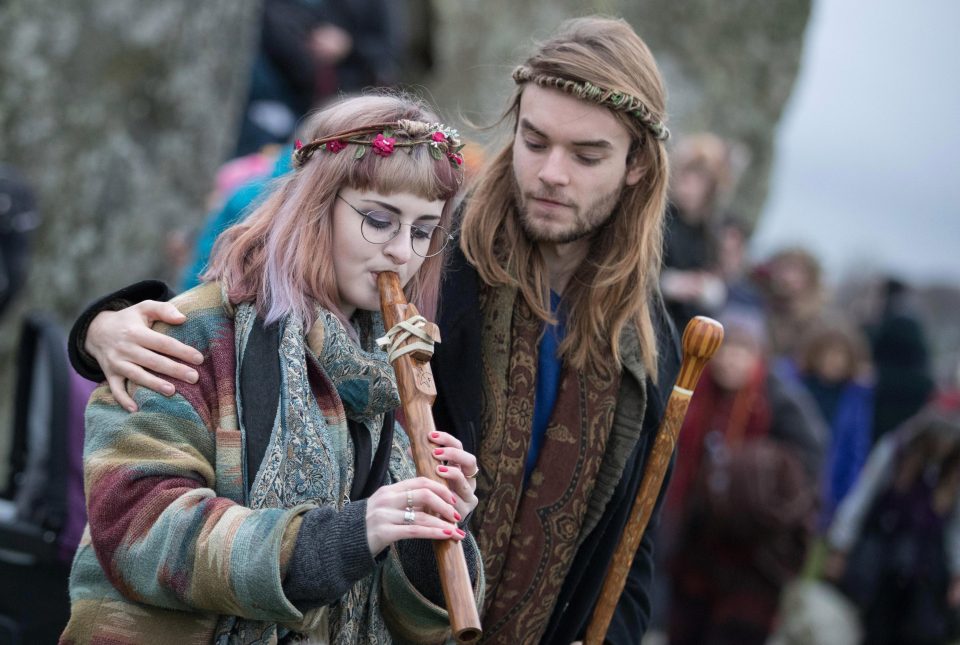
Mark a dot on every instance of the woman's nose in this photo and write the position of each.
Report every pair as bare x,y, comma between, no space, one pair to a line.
399,249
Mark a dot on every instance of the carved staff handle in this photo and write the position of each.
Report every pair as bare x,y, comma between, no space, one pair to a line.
417,393
701,339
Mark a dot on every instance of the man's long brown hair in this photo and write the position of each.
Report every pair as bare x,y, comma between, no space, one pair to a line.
618,282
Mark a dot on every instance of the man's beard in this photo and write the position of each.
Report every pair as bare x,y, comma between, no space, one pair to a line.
584,225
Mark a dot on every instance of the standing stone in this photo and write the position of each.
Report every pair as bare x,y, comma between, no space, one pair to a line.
118,113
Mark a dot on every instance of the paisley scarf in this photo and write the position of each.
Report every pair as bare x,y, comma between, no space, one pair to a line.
326,377
528,537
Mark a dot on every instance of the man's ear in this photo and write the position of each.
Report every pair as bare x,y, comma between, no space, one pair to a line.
636,169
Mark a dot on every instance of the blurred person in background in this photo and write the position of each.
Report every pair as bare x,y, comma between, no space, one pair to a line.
795,299
895,540
904,380
949,394
310,50
741,293
18,219
700,180
741,506
42,509
237,202
833,367
735,267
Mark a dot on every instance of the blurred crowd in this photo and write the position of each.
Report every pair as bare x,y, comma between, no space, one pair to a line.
814,492
815,489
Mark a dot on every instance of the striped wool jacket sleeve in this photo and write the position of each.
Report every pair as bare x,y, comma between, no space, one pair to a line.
162,531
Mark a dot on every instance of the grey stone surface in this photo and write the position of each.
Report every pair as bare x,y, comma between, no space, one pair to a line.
119,113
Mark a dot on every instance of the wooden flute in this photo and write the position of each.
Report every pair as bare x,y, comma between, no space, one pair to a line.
701,338
417,394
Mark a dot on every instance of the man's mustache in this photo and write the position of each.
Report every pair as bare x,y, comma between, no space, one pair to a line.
551,197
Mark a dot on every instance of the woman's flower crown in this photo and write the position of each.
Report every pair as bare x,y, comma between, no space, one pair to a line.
383,138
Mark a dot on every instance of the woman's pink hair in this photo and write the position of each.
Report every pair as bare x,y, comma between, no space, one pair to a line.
279,256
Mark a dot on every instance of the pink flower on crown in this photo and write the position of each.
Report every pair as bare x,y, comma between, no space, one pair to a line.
336,145
298,144
439,137
382,145
455,157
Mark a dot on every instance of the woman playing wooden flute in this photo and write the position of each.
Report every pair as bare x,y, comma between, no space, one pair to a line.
274,499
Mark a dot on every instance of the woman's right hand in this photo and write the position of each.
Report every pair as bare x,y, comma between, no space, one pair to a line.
434,514
125,346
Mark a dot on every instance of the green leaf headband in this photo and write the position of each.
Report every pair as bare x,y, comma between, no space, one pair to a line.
619,101
441,141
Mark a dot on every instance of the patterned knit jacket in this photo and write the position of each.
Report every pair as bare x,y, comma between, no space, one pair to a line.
171,554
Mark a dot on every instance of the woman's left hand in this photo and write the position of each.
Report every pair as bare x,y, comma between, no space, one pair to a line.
458,467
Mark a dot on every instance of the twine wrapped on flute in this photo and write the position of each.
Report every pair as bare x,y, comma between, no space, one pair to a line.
396,339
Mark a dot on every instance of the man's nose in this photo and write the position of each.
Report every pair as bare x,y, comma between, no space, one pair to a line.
554,169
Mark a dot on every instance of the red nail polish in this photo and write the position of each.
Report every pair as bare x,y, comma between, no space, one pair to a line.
434,434
447,532
456,515
438,451
461,532
442,469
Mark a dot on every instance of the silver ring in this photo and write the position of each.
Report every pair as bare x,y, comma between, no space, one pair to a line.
410,499
409,516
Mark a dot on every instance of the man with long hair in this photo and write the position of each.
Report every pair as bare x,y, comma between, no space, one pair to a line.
557,353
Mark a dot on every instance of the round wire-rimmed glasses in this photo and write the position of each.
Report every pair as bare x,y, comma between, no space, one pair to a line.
379,227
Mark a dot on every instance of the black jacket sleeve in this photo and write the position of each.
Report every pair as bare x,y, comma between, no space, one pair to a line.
419,563
85,364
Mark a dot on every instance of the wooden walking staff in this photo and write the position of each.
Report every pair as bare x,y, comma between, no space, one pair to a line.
701,339
417,393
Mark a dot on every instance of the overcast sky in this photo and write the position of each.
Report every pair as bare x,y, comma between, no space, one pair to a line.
867,169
